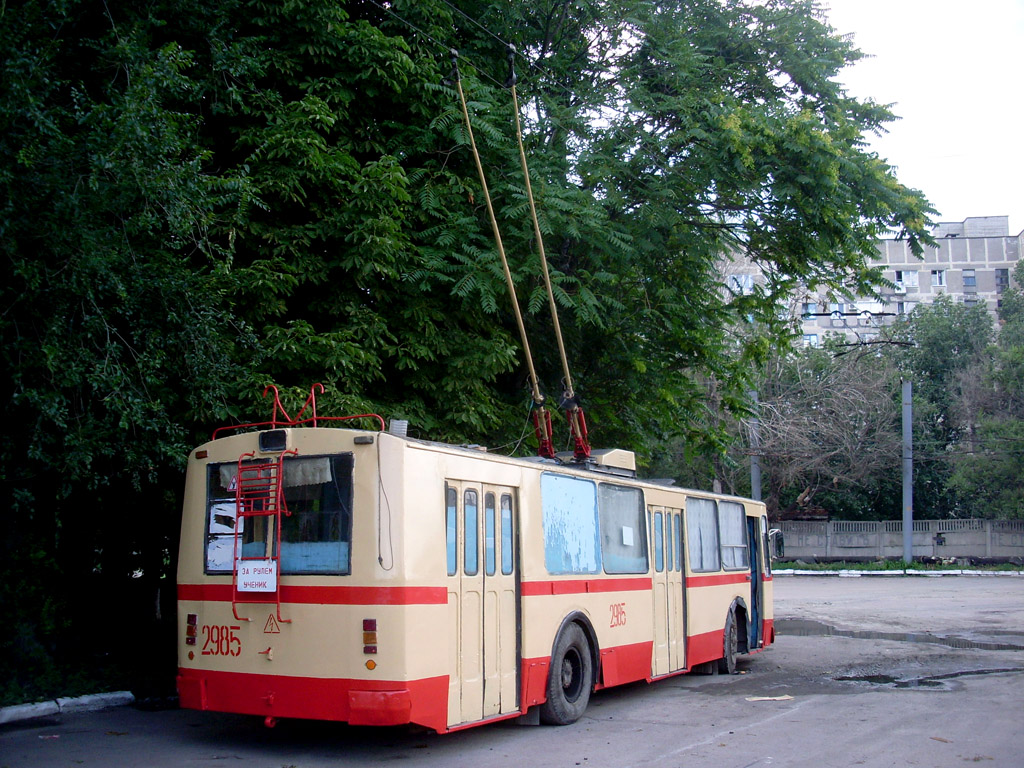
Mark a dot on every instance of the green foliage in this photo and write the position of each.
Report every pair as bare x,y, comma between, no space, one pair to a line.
198,199
990,476
968,413
946,354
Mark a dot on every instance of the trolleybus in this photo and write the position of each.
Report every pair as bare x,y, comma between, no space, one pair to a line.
338,573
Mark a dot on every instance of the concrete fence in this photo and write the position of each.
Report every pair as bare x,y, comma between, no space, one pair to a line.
847,540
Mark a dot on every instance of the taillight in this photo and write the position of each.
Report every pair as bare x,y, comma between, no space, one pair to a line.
369,637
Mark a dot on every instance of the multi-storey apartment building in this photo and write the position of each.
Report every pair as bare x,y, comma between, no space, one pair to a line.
972,263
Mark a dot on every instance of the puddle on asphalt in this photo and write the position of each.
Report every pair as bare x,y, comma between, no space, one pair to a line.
932,681
808,628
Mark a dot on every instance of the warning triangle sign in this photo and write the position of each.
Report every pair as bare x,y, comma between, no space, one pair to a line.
271,627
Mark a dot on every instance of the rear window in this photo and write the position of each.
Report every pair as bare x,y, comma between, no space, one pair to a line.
315,538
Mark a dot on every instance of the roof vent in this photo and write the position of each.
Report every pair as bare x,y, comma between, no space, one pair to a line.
615,457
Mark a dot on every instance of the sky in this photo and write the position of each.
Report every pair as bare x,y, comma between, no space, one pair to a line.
954,73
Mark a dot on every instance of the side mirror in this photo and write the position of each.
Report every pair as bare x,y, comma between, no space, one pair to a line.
776,544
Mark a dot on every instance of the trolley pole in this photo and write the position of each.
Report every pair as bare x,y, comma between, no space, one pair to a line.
908,474
755,450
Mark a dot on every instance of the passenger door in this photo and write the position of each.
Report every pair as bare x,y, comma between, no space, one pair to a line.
482,605
674,574
667,591
753,539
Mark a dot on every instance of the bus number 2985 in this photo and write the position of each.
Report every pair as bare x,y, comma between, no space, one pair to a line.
221,640
618,612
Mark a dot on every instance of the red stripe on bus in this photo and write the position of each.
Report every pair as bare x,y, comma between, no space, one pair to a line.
620,664
358,702
582,586
626,663
707,646
718,579
324,595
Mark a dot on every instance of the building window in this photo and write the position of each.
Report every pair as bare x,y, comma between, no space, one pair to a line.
970,302
810,309
742,285
938,277
810,340
901,308
1002,280
907,278
970,279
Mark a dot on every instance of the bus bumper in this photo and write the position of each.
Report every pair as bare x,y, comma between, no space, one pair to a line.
358,702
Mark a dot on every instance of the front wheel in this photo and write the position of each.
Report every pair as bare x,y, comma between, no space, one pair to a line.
730,646
570,679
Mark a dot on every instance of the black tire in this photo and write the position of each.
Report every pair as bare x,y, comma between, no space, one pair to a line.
730,645
570,678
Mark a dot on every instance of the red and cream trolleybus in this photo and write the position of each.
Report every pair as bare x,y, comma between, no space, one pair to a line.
336,573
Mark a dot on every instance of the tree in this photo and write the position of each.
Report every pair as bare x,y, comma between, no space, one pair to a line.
946,346
829,432
989,478
198,199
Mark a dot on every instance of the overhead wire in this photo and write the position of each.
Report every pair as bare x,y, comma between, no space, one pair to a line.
626,170
441,45
532,64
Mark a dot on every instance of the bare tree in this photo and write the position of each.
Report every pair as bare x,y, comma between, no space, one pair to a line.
827,421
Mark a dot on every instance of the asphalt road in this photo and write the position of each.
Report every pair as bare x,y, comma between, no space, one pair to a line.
871,671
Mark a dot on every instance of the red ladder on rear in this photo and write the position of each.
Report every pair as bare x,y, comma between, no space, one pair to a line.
259,493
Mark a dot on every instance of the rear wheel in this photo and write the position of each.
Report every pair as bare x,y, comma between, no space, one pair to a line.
570,678
730,646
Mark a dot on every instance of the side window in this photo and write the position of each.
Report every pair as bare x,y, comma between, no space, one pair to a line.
471,551
766,556
623,534
451,497
732,524
702,534
507,542
669,538
659,543
569,510
489,521
679,543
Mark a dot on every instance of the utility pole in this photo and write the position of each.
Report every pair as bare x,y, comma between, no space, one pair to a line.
908,474
755,450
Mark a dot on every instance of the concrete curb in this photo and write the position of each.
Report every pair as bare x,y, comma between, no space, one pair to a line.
854,574
89,703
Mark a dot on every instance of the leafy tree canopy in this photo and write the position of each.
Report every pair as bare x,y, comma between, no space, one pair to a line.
201,198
